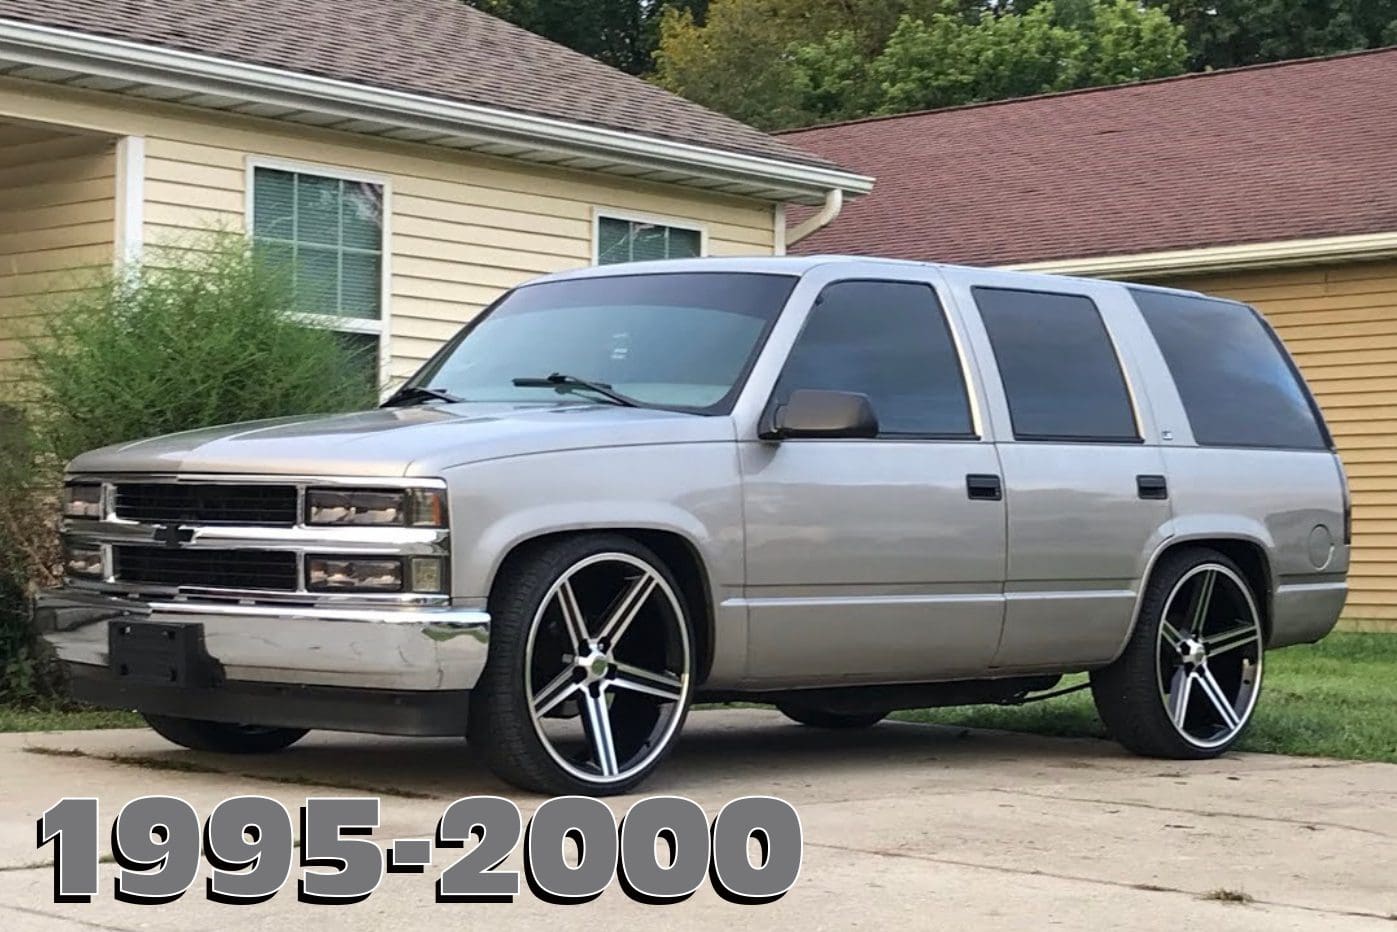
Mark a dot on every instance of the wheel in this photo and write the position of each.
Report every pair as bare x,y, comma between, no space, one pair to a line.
826,718
590,670
223,737
1187,683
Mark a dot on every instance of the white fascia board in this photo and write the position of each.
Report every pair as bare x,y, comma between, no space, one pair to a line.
1224,258
145,64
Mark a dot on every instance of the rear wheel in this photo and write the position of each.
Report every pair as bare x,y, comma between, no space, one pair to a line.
222,737
590,670
818,717
1188,681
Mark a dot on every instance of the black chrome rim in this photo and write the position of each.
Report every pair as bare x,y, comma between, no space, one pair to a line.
1209,655
606,670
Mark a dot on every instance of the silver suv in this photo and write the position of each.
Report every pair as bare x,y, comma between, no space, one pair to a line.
842,486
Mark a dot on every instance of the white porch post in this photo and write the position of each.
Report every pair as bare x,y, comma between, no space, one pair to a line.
130,199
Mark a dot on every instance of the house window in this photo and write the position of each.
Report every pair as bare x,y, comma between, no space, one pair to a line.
623,240
327,232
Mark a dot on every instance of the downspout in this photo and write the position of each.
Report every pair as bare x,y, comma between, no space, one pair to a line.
834,203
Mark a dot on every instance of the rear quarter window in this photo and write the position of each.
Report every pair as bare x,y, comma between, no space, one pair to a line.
1237,385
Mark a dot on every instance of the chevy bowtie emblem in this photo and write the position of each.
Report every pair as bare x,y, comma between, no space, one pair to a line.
172,537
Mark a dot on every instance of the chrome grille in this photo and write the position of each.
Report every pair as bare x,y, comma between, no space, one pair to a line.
211,569
261,505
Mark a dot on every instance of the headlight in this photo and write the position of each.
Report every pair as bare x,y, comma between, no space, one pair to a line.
357,574
376,507
82,500
82,560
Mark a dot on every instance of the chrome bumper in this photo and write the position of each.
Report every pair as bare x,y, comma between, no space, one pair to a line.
390,648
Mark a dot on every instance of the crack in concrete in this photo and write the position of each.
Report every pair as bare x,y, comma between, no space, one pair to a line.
49,914
1301,823
182,765
1076,878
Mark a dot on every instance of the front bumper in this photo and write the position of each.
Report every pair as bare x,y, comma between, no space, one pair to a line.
394,649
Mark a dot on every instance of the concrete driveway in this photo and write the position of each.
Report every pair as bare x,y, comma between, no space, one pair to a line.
906,826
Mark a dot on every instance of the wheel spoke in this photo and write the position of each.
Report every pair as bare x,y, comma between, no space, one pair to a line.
636,679
1211,688
614,628
1179,692
573,618
1202,599
559,688
1230,640
598,721
1171,635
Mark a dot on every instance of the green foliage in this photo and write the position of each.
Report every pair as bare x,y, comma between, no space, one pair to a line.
197,336
1228,33
780,63
621,33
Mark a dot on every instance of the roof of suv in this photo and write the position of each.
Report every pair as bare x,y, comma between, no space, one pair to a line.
800,265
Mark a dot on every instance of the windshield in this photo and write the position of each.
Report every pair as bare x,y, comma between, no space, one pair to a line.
683,340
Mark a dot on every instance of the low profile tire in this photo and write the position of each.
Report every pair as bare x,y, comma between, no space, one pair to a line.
824,718
222,737
590,671
1188,681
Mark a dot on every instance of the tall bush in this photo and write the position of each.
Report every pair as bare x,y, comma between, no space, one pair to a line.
198,335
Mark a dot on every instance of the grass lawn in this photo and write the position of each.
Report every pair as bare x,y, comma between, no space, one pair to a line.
1337,698
57,718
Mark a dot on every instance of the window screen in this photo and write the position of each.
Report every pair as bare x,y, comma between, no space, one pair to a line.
1058,366
1237,386
328,233
889,341
634,241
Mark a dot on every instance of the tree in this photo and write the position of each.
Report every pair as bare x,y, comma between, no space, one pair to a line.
1228,33
779,63
621,33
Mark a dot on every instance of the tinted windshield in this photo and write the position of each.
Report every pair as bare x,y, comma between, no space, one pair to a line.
669,340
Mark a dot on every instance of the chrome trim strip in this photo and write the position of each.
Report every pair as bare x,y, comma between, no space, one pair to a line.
378,600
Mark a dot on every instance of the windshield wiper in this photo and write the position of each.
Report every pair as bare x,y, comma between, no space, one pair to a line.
418,394
565,382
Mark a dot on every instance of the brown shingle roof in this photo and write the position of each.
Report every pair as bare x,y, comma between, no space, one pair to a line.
435,48
1288,151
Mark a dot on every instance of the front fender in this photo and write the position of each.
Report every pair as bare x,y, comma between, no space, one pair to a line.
690,489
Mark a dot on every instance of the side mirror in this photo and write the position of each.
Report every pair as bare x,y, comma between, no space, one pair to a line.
817,413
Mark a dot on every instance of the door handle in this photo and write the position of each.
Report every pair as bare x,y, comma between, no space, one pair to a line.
984,486
1152,487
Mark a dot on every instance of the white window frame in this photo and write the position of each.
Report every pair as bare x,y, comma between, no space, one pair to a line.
381,326
678,223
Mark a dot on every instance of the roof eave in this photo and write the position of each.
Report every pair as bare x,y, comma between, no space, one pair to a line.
85,60
1238,257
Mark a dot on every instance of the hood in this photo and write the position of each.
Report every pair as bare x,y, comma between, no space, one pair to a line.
415,441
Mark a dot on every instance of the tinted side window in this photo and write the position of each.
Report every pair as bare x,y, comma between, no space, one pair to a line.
1059,369
890,341
1237,386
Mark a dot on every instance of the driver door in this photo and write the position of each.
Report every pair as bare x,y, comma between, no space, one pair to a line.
880,559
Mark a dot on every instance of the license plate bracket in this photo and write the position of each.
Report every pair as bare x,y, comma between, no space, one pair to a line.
165,653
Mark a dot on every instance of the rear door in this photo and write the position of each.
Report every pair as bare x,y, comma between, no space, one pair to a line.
1084,477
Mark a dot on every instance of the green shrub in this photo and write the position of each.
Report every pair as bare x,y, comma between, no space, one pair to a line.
196,336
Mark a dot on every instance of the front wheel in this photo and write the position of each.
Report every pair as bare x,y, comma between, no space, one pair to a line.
222,737
590,670
1188,681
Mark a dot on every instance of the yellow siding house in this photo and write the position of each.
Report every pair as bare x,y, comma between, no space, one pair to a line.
412,159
